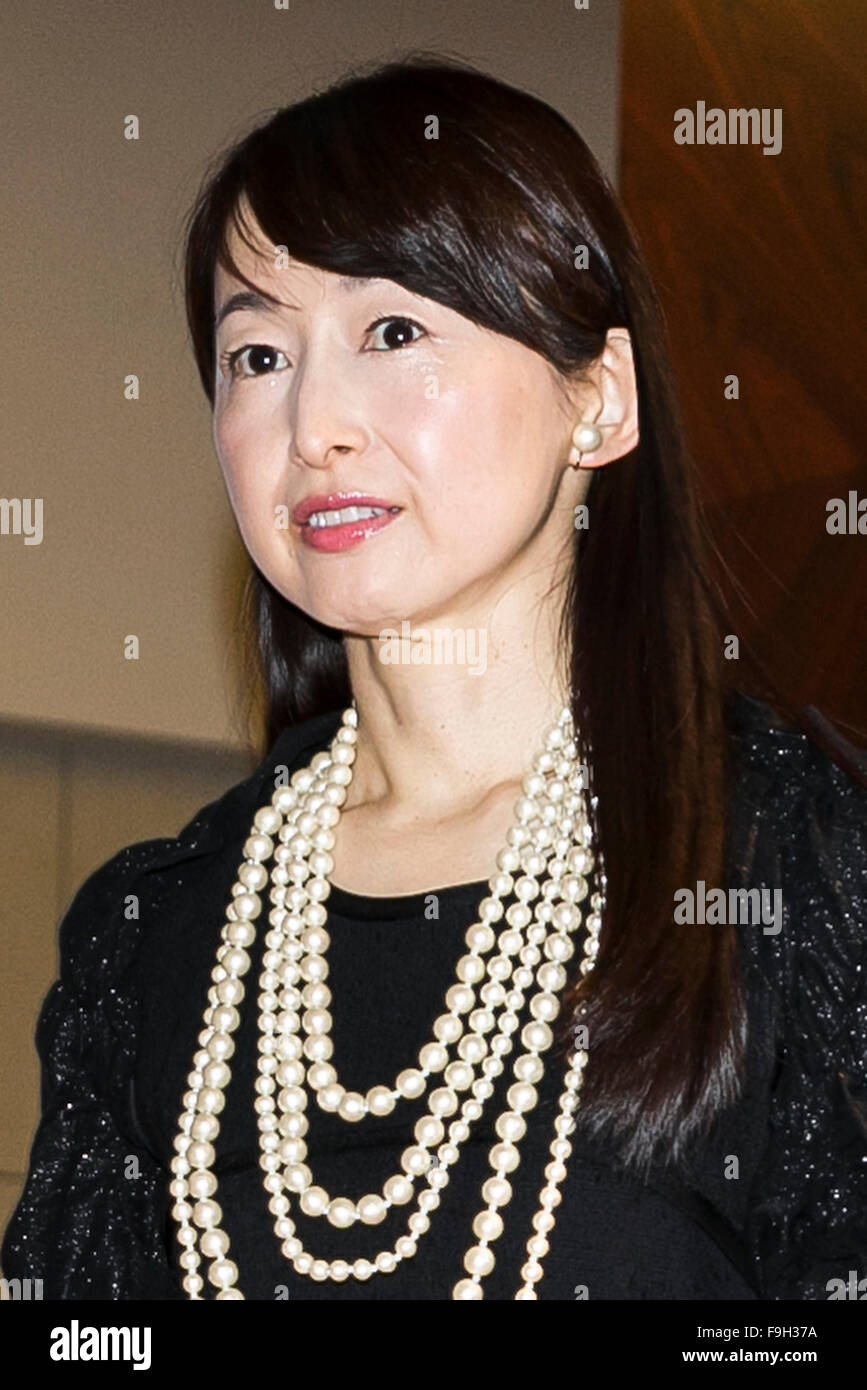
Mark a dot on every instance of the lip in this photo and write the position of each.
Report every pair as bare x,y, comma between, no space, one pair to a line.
334,501
334,538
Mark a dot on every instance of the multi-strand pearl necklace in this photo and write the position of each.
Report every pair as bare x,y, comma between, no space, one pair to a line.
544,866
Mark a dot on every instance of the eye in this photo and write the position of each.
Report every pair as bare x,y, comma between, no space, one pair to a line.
395,333
261,355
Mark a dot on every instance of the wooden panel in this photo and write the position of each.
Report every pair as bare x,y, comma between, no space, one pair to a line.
759,262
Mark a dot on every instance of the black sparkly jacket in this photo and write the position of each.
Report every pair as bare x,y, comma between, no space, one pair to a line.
799,824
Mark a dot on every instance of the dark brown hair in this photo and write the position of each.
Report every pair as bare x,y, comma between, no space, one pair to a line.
486,219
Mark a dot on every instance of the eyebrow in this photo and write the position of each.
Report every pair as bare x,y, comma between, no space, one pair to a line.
250,299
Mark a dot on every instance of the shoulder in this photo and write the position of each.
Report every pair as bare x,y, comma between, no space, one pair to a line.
773,759
799,829
794,805
95,935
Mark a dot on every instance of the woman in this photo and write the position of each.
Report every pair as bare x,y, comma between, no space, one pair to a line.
442,406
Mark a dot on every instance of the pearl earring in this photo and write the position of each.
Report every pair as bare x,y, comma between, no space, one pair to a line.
586,438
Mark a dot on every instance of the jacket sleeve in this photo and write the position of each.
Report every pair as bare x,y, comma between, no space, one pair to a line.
808,1221
84,1223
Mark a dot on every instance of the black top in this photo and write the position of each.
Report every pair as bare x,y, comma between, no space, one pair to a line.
118,1031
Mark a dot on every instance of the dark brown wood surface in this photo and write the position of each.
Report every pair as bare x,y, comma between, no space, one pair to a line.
759,262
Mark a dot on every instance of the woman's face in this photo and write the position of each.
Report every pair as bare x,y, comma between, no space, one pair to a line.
363,389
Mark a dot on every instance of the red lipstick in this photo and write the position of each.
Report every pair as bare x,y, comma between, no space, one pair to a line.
336,536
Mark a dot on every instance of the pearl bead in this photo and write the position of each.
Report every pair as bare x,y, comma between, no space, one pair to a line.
236,961
207,1213
447,1028
380,1101
481,938
268,820
429,1131
314,1201
201,1155
443,1101
205,1127
223,1273
511,1126
292,1151
537,1037
410,1083
497,1192
545,1006
472,1048
479,1260
504,1157
459,1075
258,847
433,1056
467,1289
292,1099
211,1101
488,1225
522,1096
342,1213
398,1190
352,1106
415,1160
371,1209
529,1068
298,1177
470,969
214,1243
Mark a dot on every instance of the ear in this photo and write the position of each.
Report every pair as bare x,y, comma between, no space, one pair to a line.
611,404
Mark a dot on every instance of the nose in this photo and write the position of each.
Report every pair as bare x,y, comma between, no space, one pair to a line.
327,412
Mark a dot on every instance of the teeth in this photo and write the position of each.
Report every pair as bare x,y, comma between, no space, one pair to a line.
346,514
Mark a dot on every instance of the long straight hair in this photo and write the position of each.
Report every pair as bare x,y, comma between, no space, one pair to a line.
481,197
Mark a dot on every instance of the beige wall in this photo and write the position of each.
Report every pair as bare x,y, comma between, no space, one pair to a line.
96,751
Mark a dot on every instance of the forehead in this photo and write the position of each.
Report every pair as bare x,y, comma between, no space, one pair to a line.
276,274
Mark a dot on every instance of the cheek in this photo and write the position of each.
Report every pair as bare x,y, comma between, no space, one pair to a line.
247,475
490,455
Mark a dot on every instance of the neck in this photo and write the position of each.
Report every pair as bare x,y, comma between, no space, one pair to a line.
442,736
